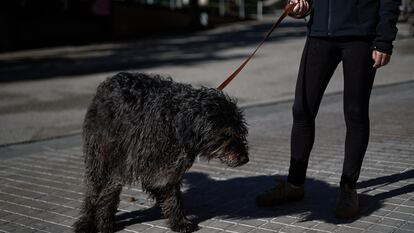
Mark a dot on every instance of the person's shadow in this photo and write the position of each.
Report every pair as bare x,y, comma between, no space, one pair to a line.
234,198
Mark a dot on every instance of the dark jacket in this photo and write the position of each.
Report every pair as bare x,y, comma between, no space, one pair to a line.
376,18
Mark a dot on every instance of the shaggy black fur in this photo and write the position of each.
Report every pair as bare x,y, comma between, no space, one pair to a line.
149,129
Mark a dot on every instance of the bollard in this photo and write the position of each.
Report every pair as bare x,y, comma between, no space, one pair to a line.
259,10
242,14
222,8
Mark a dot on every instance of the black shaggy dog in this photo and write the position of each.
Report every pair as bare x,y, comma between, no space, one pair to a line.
149,129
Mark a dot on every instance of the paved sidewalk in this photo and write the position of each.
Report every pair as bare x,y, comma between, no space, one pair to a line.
41,183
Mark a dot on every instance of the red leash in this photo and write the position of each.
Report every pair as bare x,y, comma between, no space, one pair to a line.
286,11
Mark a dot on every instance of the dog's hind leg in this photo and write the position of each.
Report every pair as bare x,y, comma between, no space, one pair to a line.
107,205
170,200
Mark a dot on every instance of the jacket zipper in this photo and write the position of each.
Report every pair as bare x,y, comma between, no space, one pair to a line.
329,17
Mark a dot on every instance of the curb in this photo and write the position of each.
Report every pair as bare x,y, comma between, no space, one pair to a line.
287,99
244,106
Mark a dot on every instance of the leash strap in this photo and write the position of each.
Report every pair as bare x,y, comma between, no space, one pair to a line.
286,11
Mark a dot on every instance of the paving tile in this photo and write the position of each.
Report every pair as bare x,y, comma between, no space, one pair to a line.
272,226
383,228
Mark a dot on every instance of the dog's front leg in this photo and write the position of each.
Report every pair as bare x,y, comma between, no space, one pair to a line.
173,210
107,205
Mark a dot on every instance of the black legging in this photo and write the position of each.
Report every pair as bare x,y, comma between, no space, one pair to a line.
320,58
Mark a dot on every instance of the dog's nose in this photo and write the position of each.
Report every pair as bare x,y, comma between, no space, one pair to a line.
244,160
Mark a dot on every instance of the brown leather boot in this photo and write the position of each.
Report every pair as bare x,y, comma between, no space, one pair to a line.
284,192
347,205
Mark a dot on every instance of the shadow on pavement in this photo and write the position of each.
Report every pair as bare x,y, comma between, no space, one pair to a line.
177,50
235,199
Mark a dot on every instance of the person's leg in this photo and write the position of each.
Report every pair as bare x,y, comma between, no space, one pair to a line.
358,80
319,61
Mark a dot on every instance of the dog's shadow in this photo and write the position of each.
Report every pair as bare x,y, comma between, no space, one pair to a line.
206,198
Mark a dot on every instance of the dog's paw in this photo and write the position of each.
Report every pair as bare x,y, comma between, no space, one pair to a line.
184,226
84,225
107,227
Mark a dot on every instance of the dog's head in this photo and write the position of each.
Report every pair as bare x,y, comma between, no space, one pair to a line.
224,130
229,146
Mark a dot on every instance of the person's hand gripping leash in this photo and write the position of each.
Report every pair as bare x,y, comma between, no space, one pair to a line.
300,10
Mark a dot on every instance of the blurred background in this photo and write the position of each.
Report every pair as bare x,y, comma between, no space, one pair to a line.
39,23
54,53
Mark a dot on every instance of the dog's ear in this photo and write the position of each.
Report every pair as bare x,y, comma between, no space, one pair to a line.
186,135
184,131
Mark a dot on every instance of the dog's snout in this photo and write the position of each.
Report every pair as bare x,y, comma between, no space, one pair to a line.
244,160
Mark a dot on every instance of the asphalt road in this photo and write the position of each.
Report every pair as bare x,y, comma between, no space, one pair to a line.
44,93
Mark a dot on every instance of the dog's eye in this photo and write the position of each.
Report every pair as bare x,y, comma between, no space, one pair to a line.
227,136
